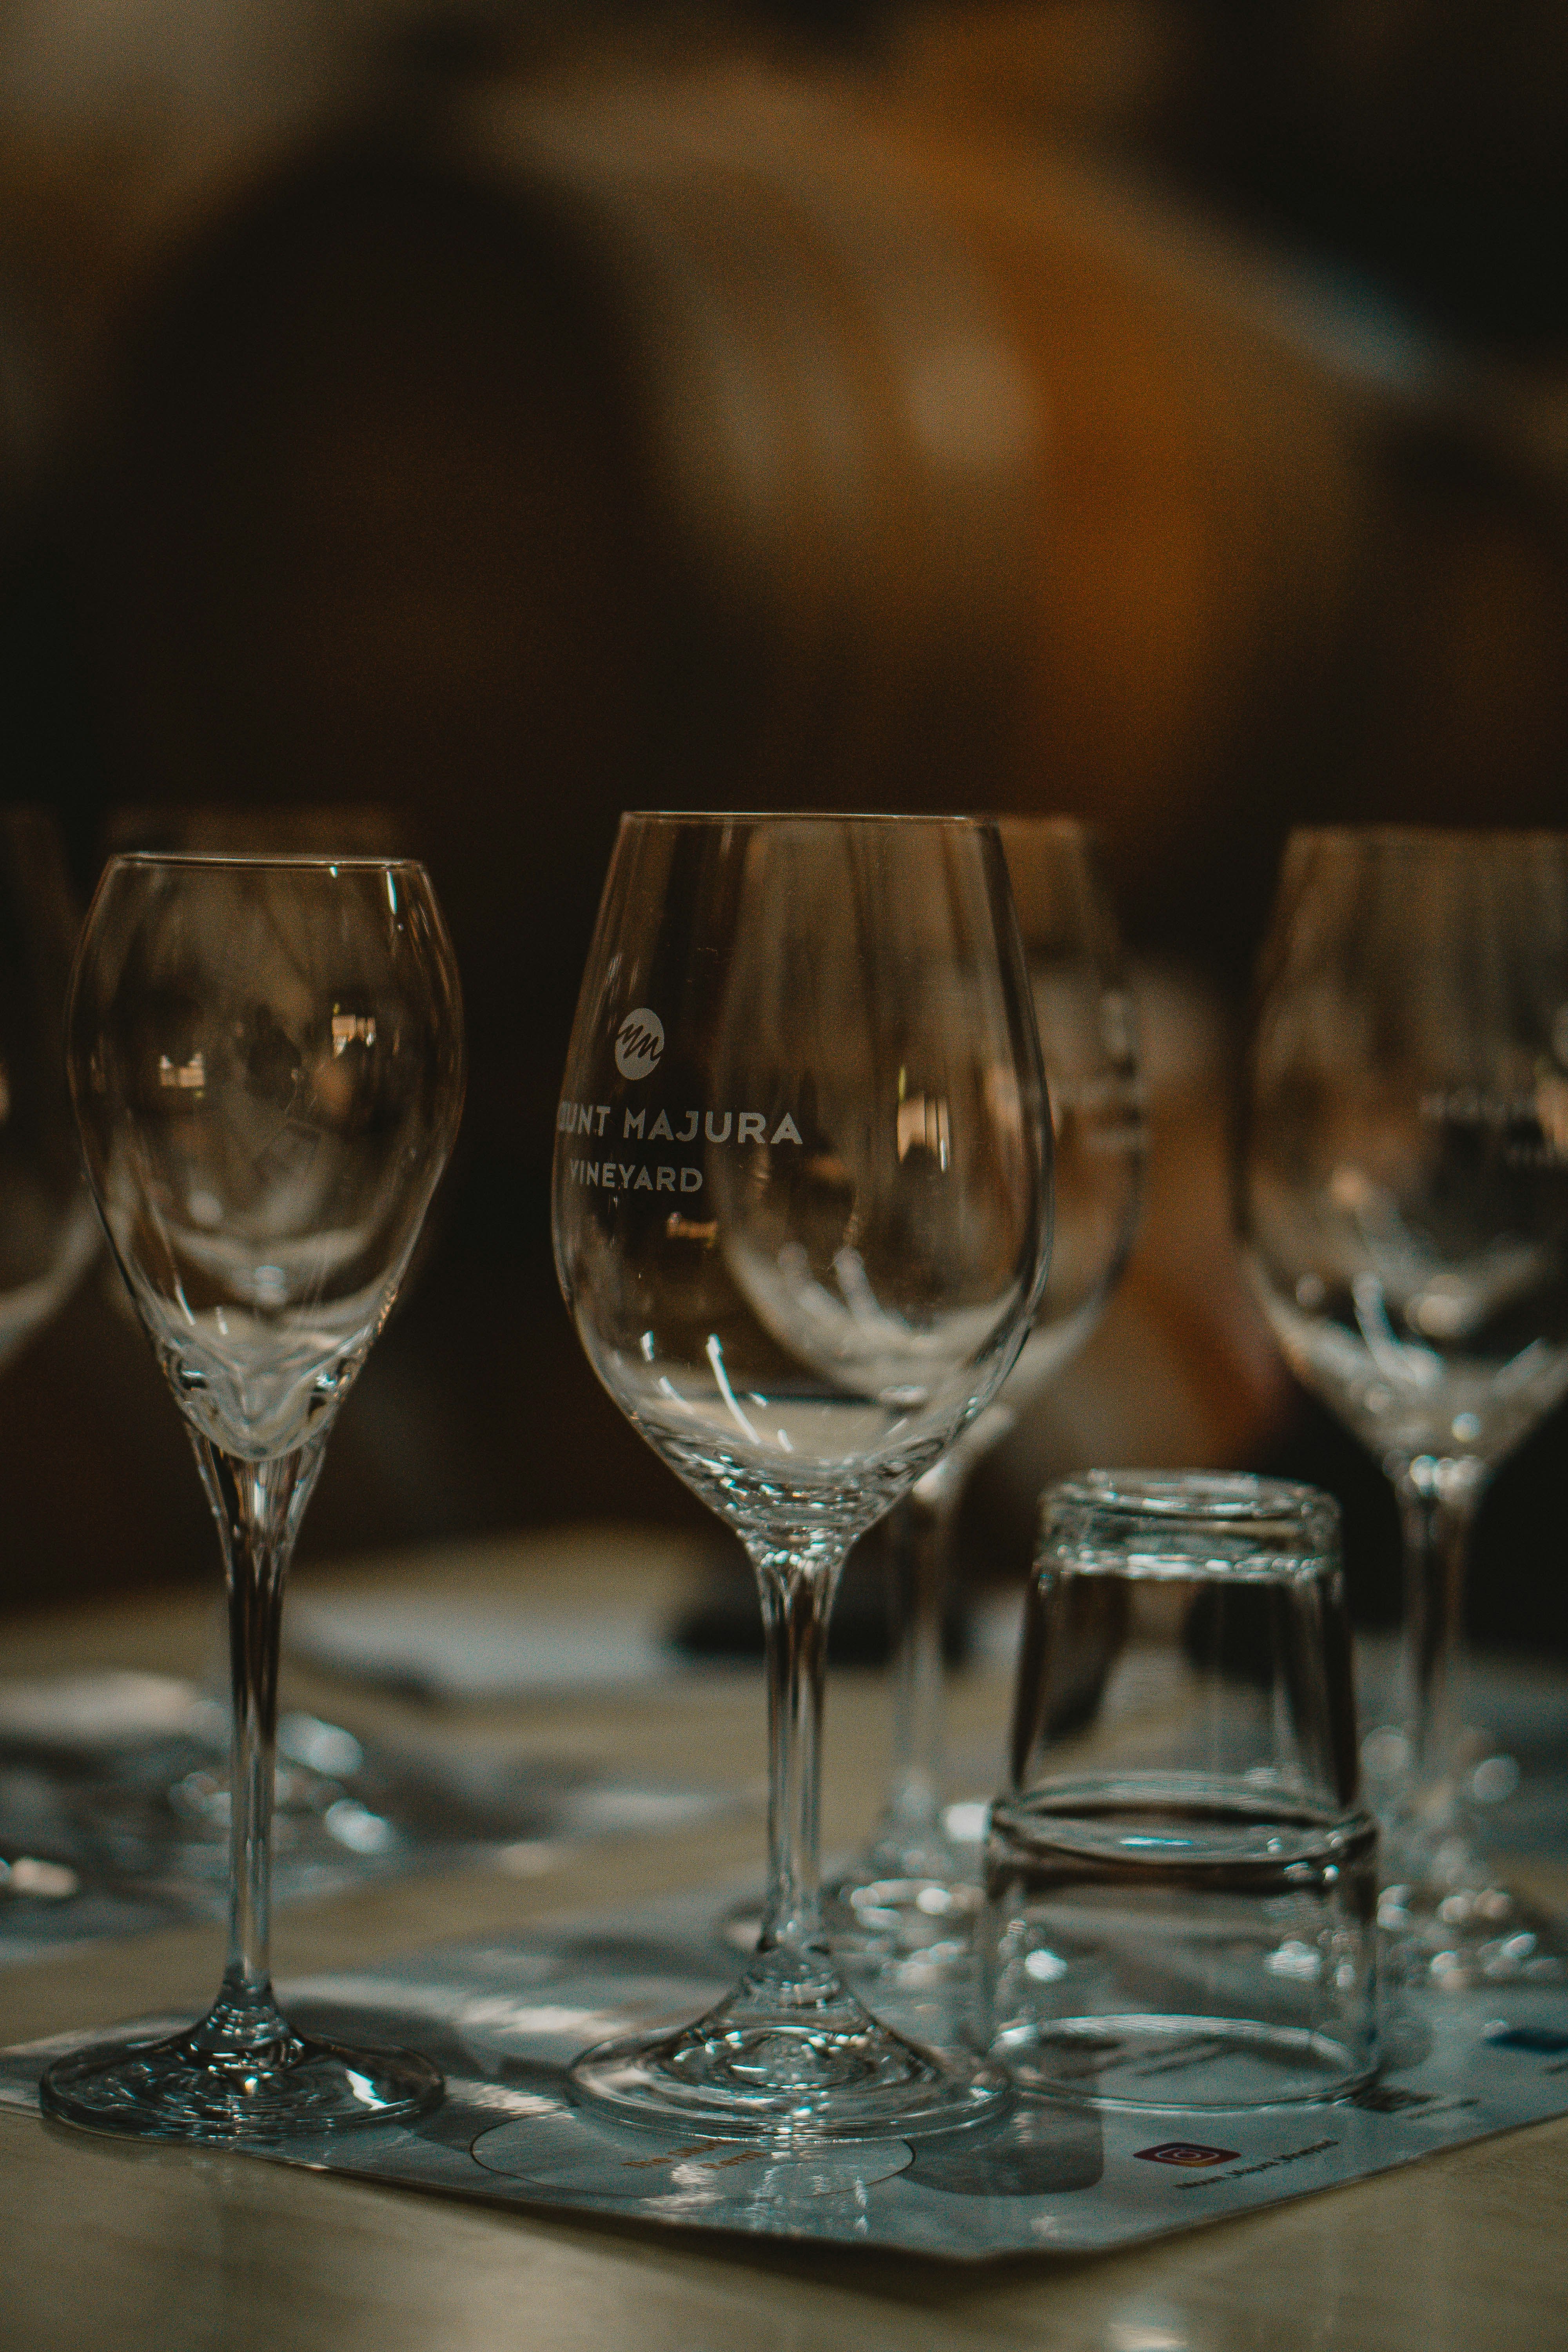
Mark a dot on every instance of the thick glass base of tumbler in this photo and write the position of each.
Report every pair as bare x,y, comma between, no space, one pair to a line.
1170,2065
801,2060
286,2086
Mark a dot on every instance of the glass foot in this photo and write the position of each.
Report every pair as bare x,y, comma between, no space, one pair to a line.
283,2086
790,2056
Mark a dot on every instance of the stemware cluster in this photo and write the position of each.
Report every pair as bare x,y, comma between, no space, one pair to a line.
803,1221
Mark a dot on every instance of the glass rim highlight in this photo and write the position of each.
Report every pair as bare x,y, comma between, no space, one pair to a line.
1239,1498
353,861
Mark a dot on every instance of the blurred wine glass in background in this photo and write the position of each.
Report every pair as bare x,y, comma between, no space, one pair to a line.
915,1893
1405,1207
48,1229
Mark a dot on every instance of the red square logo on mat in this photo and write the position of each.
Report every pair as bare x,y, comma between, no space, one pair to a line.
1187,2151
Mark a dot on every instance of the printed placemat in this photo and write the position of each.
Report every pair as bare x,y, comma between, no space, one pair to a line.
505,2020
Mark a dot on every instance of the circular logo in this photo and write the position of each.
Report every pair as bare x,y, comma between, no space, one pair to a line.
640,1044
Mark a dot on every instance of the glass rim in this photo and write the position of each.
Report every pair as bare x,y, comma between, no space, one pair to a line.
951,817
1426,837
1238,1499
1070,829
1046,821
361,860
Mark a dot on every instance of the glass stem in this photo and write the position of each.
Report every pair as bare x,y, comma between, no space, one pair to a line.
797,1596
920,1542
1438,1498
257,1507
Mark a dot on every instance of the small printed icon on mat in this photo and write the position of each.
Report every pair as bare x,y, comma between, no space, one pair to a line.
1187,2151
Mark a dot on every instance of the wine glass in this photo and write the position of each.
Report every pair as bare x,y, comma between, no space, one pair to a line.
1405,1207
266,1059
801,1193
47,1233
915,1893
159,1809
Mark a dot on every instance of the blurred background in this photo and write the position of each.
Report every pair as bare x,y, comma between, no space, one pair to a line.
485,416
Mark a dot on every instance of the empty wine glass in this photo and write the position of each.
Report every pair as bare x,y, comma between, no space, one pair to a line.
159,1809
1406,1214
800,1215
47,1231
48,1234
266,1059
915,1893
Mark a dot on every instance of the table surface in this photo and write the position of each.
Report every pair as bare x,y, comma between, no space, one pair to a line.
173,2248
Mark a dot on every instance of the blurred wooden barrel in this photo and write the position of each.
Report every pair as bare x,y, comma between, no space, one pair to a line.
710,441
724,439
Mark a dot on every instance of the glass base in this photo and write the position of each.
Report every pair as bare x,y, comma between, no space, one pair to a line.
1166,2064
789,2055
285,2085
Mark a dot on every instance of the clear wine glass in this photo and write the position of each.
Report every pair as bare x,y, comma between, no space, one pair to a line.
801,1218
914,1894
159,1810
49,1235
1405,1207
266,1059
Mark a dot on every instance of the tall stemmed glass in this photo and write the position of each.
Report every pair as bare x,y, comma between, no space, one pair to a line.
1406,1214
801,1215
915,1890
48,1234
163,1810
47,1231
266,1058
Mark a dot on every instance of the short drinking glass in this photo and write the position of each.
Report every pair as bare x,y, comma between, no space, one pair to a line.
1180,1881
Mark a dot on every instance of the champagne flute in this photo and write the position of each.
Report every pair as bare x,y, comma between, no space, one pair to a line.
1404,1204
266,1059
800,1219
914,1894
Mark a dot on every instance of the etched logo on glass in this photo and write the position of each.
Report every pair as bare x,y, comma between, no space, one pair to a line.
640,1044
